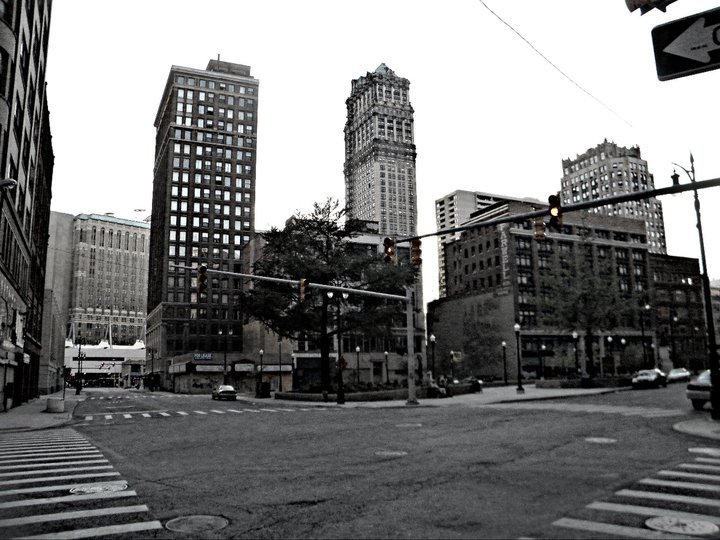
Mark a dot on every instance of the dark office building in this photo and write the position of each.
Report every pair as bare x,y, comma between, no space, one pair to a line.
203,209
26,168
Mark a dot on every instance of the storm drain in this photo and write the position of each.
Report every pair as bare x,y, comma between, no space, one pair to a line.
197,524
675,525
99,488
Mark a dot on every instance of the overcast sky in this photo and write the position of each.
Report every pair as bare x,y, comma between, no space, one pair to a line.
491,113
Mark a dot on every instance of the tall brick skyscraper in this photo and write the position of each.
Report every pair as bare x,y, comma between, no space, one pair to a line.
203,208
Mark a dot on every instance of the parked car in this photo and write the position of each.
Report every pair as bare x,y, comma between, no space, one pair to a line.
698,390
224,391
649,378
476,384
678,375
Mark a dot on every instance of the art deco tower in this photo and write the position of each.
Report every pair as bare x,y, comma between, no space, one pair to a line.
203,207
380,153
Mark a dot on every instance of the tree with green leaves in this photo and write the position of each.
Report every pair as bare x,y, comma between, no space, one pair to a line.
319,247
481,339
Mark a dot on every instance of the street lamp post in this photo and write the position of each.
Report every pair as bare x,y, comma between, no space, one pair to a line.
387,372
709,321
432,346
357,363
258,385
642,334
81,355
452,365
623,342
504,348
575,347
673,321
541,366
520,389
610,353
280,363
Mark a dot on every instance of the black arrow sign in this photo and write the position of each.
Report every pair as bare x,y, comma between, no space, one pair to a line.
687,46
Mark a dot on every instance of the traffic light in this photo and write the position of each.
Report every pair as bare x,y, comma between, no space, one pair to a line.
390,250
303,289
555,212
539,228
647,5
202,279
415,252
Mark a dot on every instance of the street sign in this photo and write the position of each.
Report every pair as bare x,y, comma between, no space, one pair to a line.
687,46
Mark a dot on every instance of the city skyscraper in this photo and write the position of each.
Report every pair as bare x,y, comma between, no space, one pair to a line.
607,170
26,170
380,153
203,208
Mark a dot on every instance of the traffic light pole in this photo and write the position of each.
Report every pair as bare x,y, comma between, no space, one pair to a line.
412,394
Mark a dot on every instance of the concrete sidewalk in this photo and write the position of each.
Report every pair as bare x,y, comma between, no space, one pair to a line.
34,415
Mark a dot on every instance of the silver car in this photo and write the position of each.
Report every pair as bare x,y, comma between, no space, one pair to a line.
224,391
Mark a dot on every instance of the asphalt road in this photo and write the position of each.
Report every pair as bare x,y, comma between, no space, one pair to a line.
286,471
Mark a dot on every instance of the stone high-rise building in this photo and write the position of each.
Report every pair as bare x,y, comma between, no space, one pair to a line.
26,157
607,170
203,209
380,153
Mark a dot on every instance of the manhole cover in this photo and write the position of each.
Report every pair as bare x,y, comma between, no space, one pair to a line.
600,440
408,425
714,452
682,526
391,453
98,488
197,524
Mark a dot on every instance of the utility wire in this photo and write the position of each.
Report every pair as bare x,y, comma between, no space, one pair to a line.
553,65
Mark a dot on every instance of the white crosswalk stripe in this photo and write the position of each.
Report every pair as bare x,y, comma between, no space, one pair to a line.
74,497
693,489
138,415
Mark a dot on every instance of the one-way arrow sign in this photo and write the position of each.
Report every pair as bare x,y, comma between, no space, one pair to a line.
687,46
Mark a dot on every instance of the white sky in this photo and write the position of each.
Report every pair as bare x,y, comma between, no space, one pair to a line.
490,113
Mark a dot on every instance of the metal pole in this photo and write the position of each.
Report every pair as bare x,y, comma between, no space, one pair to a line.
712,343
357,352
520,389
280,363
412,398
504,348
432,343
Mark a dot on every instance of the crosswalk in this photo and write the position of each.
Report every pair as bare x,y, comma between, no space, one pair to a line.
566,406
55,484
139,415
681,502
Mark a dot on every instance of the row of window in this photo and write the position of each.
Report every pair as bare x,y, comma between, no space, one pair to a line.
210,84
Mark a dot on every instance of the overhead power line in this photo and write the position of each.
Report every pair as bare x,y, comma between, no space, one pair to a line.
568,77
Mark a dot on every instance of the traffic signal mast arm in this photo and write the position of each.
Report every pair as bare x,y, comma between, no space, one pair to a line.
596,203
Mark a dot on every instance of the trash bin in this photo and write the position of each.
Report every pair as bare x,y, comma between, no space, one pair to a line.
55,405
265,390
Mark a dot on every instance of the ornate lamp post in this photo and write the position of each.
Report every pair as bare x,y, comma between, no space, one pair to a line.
642,333
387,371
258,386
623,342
673,321
504,348
610,352
280,363
541,366
575,347
520,389
357,364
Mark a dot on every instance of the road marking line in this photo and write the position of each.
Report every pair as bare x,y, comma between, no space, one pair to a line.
127,415
234,410
48,452
700,501
200,412
163,414
683,485
607,528
56,478
38,465
700,467
268,410
689,475
78,514
60,487
64,469
88,418
650,511
216,411
287,410
182,413
708,460
52,458
100,531
68,498
251,410
146,415
28,447
108,417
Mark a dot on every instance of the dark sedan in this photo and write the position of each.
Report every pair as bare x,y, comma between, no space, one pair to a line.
698,390
649,378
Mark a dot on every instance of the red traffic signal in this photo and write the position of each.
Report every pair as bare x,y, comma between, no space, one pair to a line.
202,279
415,252
390,250
555,212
